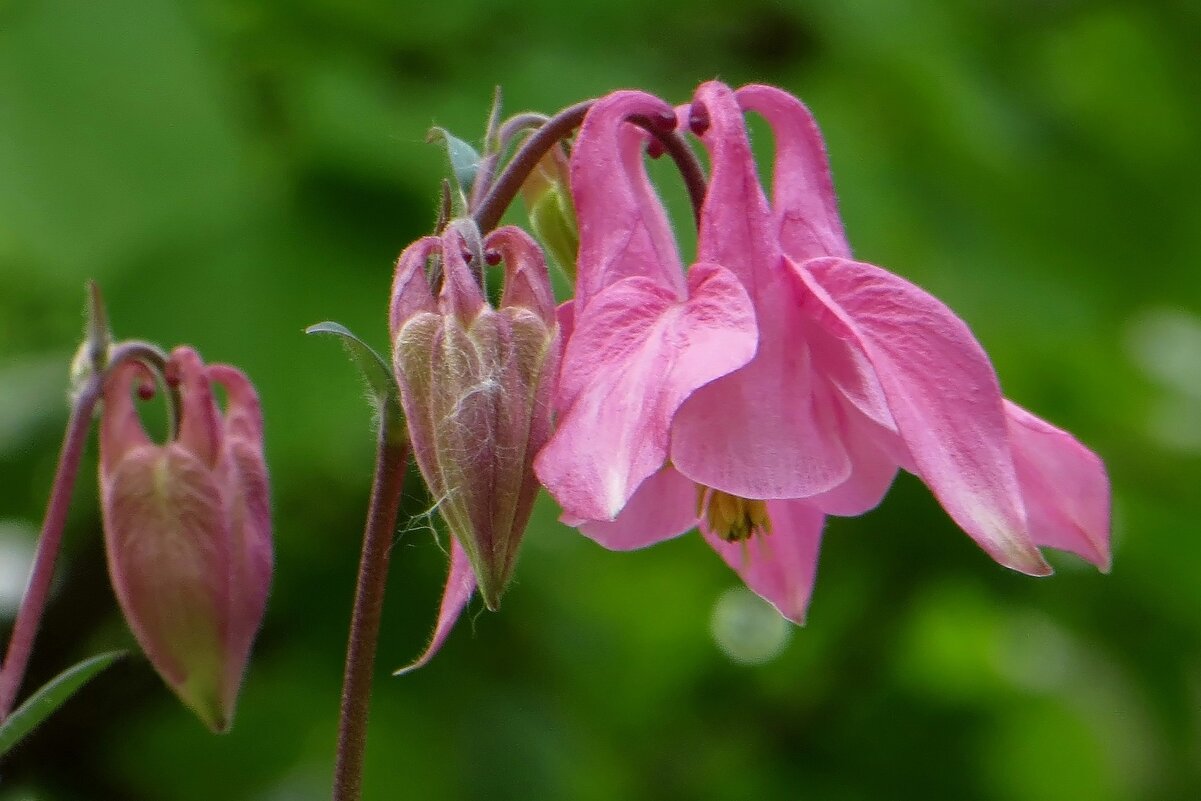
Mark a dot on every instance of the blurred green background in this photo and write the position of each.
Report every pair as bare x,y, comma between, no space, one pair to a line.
231,172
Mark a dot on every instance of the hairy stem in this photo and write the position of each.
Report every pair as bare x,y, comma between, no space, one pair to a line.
33,603
391,460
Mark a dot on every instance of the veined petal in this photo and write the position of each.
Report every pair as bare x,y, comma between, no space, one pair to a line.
460,584
803,202
664,506
779,567
944,396
636,354
1064,486
769,430
624,230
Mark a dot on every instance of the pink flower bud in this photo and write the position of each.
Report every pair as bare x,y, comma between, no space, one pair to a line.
188,529
476,384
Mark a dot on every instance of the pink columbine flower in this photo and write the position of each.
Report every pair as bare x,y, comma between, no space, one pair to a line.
188,529
476,386
778,380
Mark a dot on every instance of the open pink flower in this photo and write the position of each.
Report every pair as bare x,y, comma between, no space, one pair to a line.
779,380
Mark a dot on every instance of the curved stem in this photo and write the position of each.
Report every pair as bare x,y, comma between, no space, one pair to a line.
685,159
33,603
502,192
390,462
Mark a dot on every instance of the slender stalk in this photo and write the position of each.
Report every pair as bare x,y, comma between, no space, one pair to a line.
391,460
489,211
33,603
501,193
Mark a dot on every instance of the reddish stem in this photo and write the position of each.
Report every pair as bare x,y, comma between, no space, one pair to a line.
391,460
33,604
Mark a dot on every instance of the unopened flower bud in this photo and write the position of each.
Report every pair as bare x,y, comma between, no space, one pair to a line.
188,530
547,196
476,384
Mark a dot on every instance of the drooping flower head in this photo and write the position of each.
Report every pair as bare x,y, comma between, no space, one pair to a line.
778,380
476,386
188,529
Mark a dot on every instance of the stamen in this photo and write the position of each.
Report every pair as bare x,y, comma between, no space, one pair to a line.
732,518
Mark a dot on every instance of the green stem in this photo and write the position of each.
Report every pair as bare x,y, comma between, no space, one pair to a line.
390,463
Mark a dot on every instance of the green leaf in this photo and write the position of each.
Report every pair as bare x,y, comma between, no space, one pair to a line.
50,697
376,372
464,160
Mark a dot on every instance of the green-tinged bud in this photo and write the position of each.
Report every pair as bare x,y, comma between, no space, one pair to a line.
476,384
187,528
547,196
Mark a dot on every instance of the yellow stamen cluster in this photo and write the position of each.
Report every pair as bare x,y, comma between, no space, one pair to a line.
730,517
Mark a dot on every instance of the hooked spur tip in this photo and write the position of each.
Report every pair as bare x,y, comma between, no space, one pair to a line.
698,118
655,149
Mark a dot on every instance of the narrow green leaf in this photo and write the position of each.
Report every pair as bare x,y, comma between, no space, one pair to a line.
50,697
375,371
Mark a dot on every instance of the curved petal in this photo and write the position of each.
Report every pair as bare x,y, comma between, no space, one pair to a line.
411,293
769,430
803,202
460,584
121,429
636,354
873,467
624,230
664,506
199,421
736,228
779,567
1064,486
944,396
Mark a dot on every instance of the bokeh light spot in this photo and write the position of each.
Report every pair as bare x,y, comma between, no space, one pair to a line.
747,628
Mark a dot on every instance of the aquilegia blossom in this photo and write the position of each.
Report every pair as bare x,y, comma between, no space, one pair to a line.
778,380
187,529
476,385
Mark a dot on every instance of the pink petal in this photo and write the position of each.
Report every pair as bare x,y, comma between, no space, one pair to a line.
873,468
122,430
199,423
803,201
771,429
410,287
944,397
1064,486
663,507
460,584
780,567
527,282
623,229
636,354
736,229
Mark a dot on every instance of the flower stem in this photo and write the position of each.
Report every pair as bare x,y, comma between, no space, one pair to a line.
489,211
33,603
391,460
